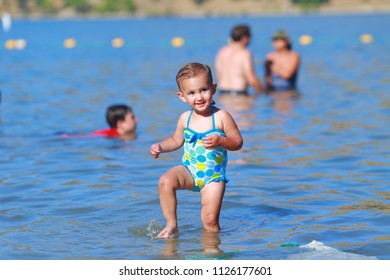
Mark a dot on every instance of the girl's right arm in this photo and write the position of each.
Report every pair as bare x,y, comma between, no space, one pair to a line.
173,142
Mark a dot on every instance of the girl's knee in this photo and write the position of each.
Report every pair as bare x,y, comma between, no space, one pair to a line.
210,222
166,183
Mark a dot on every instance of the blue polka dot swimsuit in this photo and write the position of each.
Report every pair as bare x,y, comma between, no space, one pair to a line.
205,165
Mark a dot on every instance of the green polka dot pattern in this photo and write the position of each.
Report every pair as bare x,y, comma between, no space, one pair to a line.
205,165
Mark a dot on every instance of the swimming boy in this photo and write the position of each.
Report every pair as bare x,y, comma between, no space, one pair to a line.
121,120
206,132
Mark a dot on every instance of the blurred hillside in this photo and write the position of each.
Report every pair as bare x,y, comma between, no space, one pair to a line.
71,8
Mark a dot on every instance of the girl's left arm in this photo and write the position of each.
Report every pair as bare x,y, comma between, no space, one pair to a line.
233,140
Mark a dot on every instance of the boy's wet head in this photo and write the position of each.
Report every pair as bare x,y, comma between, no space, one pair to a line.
193,69
116,113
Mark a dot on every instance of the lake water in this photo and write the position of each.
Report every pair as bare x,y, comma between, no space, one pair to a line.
315,168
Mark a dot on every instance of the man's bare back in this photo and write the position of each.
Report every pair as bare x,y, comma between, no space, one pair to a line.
234,64
230,67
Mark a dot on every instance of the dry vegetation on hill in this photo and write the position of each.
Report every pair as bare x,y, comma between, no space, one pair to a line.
69,8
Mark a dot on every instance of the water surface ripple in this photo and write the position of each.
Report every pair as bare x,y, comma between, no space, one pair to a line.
314,168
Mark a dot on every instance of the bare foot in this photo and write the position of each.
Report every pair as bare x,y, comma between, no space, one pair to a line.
167,232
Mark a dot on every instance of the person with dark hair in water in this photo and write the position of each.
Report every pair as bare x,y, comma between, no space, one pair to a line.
281,65
121,120
234,65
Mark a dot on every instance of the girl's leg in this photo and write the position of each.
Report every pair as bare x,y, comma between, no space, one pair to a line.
174,179
212,196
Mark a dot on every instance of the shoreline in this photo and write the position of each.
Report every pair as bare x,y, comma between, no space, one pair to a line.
121,16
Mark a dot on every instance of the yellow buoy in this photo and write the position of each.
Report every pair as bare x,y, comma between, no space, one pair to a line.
20,44
366,38
305,40
117,43
9,44
70,43
177,42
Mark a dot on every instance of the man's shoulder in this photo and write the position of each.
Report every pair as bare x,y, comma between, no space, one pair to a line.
224,49
244,51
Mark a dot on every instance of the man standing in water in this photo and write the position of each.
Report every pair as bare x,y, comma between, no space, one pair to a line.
234,65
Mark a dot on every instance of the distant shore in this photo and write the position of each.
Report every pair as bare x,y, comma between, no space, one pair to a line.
209,11
91,16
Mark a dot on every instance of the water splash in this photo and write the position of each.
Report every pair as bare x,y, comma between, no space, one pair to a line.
154,228
319,251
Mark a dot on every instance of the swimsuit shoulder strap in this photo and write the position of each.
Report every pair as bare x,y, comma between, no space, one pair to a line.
212,116
189,118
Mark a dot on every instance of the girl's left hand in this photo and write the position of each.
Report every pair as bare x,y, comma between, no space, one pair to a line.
211,141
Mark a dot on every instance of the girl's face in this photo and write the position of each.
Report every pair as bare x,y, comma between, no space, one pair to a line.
197,92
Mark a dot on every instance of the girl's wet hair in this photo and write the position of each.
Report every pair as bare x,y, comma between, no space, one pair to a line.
115,113
193,69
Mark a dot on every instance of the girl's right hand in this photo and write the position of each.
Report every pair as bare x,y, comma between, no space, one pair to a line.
155,150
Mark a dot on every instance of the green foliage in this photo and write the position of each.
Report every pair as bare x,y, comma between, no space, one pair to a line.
109,6
86,6
199,2
309,4
81,6
74,3
112,6
46,5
